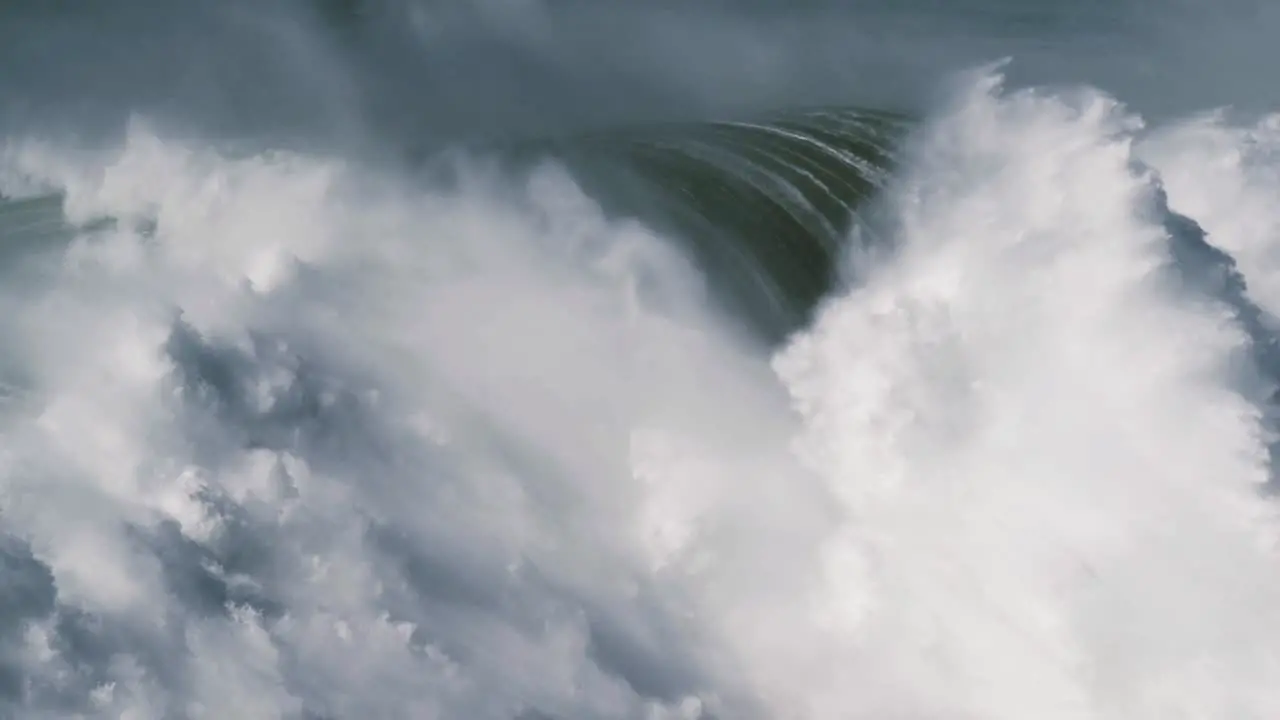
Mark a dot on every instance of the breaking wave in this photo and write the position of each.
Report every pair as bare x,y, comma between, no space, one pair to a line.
824,413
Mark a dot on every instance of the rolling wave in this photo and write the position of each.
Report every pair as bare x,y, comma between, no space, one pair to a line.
310,412
765,206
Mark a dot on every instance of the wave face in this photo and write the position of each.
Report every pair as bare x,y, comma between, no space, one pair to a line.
764,207
775,386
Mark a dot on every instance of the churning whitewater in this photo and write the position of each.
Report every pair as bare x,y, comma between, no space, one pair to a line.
293,431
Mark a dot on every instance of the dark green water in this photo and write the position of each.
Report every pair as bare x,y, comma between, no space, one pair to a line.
766,206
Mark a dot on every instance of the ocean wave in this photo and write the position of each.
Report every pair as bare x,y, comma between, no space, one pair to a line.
837,412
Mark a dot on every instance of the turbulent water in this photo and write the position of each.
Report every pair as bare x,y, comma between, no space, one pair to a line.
550,360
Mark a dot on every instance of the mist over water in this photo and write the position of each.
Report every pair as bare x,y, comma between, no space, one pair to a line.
327,75
379,359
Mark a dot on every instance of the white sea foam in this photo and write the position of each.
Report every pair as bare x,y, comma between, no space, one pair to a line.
1051,488
301,438
394,423
1226,177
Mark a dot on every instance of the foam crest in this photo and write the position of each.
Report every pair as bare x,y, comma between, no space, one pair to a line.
1051,489
1225,175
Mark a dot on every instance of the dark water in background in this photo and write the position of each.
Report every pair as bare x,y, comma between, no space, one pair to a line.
646,359
423,71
